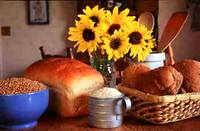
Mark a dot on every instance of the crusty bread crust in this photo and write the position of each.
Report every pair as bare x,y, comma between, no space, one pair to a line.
161,81
132,74
70,83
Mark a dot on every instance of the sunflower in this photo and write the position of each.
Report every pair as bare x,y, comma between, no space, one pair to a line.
95,14
116,45
140,40
116,20
85,35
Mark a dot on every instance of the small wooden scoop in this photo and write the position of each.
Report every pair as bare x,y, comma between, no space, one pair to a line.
172,29
147,19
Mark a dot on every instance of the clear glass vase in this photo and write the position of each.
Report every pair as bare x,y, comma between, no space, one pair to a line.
105,67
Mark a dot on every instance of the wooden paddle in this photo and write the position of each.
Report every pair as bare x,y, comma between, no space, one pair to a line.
172,29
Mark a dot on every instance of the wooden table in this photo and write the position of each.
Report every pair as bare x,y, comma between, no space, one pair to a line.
51,122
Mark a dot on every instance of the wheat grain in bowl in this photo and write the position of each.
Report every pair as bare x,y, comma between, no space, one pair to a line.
22,103
19,85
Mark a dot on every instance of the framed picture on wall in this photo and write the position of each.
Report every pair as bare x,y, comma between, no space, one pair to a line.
38,12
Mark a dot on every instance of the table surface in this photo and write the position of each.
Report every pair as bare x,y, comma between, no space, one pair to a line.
50,122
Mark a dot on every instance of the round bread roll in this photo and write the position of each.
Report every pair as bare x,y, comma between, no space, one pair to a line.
164,80
190,70
132,73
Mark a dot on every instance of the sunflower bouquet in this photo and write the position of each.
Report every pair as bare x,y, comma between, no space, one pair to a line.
111,34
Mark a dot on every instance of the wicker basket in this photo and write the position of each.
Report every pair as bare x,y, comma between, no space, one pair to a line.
162,109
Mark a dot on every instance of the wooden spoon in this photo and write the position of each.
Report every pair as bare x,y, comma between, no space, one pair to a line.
172,29
147,19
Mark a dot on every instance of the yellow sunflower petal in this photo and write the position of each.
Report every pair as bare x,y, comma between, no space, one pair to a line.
124,13
87,11
96,8
82,47
115,12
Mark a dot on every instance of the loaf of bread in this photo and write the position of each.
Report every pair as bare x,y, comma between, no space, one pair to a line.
190,70
70,83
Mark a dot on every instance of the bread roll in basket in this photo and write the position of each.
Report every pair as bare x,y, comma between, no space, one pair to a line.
154,93
70,82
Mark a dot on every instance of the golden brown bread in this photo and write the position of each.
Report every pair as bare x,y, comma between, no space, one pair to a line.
161,81
132,73
190,70
70,83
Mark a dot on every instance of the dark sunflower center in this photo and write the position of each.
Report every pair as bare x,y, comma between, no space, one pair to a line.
112,28
115,44
95,20
88,35
135,38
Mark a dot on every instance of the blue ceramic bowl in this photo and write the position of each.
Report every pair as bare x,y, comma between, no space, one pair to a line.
22,110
